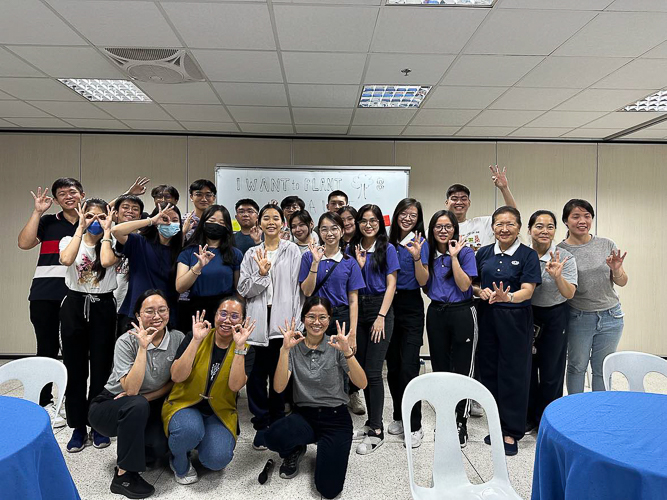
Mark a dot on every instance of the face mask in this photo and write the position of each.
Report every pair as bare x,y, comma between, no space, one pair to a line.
215,231
169,230
95,228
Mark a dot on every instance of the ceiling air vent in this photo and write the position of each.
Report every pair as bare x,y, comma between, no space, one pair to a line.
155,65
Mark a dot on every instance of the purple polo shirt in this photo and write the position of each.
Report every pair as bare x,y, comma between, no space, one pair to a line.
376,280
406,275
445,289
345,278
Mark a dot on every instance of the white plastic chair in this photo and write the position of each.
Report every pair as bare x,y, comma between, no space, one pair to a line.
634,365
444,391
34,373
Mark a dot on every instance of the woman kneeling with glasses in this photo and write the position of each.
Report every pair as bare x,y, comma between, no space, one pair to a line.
317,365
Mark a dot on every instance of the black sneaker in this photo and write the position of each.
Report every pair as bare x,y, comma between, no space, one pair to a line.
131,484
463,433
290,465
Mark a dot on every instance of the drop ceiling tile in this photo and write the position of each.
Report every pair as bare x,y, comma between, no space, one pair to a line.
19,109
260,94
10,65
180,93
69,62
259,128
329,96
239,65
560,4
339,2
485,131
260,114
420,30
591,133
382,116
503,118
320,67
526,32
210,126
603,99
659,52
40,123
31,22
639,74
71,109
89,123
134,110
325,28
646,134
321,129
555,119
571,72
462,97
5,97
661,125
315,116
623,119
639,5
490,70
377,130
222,25
444,117
6,124
38,89
543,133
153,125
426,69
198,112
617,34
431,131
529,98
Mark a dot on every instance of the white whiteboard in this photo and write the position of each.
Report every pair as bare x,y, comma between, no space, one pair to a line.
382,186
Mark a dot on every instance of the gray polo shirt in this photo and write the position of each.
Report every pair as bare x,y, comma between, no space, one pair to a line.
158,361
318,375
547,294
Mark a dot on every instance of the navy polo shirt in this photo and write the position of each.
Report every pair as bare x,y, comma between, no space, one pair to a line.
517,265
243,242
345,278
406,275
444,289
376,280
217,278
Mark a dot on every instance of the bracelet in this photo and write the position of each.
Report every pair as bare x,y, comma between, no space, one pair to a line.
619,276
417,260
350,356
511,296
382,315
150,222
241,352
76,236
106,239
310,270
195,272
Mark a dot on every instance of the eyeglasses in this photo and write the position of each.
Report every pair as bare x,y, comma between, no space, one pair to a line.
443,227
149,313
456,199
62,194
370,222
223,315
327,230
408,216
293,206
248,211
337,204
323,318
200,194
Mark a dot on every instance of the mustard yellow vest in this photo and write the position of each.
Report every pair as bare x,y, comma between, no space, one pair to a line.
186,394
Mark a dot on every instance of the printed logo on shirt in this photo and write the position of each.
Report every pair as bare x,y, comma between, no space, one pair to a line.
515,262
214,370
170,358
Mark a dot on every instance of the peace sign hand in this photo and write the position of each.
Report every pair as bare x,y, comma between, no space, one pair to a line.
243,331
139,186
204,256
200,327
262,261
291,336
498,176
256,234
42,201
415,246
161,218
340,341
361,256
615,260
144,335
555,266
499,294
317,251
455,246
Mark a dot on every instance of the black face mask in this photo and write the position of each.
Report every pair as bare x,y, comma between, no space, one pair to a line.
214,231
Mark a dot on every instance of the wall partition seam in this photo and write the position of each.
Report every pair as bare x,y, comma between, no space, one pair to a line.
597,183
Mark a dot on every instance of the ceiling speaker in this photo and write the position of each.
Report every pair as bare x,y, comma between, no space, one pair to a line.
155,65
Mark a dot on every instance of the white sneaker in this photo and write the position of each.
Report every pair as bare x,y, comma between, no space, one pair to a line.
417,437
395,428
190,476
58,420
355,405
371,442
360,434
476,409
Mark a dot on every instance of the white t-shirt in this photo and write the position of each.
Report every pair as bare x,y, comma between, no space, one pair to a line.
477,232
271,255
80,276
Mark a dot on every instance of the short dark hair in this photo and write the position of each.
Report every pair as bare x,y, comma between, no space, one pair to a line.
165,188
145,295
315,300
576,203
128,197
457,188
271,206
66,182
247,201
201,184
347,208
337,192
290,200
232,298
303,215
506,210
533,218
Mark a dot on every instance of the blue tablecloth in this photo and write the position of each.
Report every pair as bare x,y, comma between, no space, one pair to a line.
602,445
31,463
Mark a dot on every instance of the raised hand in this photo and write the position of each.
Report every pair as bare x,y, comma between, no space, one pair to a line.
555,266
200,327
243,331
316,250
415,246
615,260
499,294
498,176
81,212
187,223
262,261
485,293
144,335
291,336
455,246
256,234
106,223
285,233
204,256
139,186
361,256
161,218
340,341
42,201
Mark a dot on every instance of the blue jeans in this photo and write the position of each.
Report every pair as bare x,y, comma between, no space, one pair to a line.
591,336
189,429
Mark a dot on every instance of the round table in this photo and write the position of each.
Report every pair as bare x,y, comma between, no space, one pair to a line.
602,445
31,463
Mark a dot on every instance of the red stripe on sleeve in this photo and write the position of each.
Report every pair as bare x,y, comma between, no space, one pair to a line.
50,247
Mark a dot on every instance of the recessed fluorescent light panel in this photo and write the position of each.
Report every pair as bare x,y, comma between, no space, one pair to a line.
106,90
393,96
654,102
462,3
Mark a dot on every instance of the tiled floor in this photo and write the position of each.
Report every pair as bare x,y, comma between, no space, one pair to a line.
382,474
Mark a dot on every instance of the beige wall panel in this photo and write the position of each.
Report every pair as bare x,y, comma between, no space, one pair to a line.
545,176
632,204
27,161
343,152
111,163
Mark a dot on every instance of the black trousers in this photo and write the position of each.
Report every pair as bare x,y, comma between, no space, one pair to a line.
342,315
452,338
266,407
45,318
93,336
188,308
504,353
548,372
371,355
403,353
331,429
138,424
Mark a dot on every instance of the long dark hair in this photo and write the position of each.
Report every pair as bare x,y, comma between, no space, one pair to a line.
198,237
271,206
379,260
432,242
97,267
395,229
153,235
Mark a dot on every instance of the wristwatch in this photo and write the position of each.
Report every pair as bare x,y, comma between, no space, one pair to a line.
511,296
241,352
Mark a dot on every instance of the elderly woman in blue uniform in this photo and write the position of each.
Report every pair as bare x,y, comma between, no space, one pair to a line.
509,271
